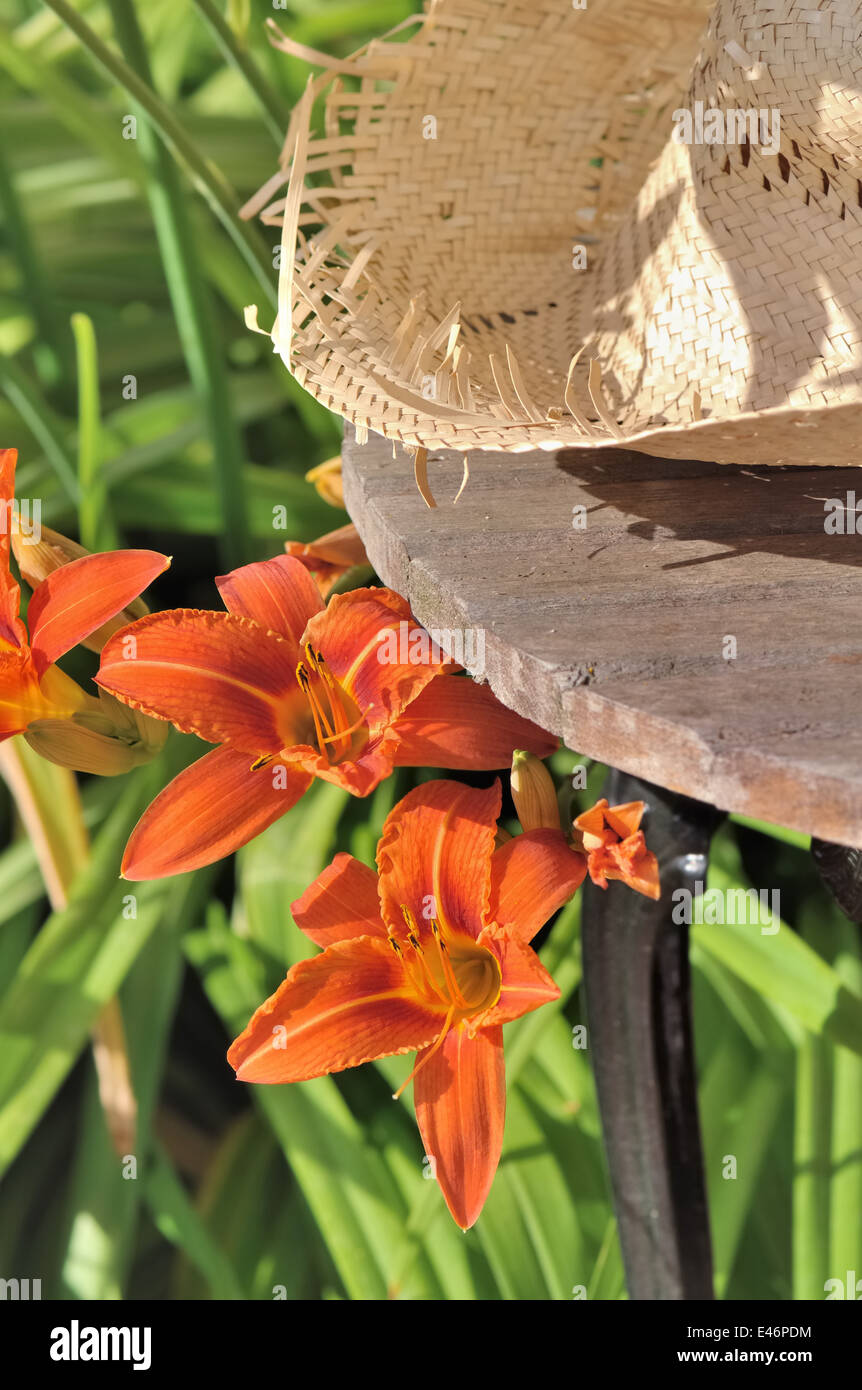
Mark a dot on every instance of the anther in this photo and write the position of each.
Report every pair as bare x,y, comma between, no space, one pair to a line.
435,931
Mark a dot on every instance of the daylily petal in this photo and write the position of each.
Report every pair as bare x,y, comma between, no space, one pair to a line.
217,675
20,697
12,630
328,558
531,876
591,828
24,698
628,860
338,550
346,1006
340,904
8,460
455,723
460,1098
39,559
359,775
279,594
526,984
208,811
355,634
626,819
81,596
435,853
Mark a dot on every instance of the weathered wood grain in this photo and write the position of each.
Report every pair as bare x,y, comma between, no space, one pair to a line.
613,636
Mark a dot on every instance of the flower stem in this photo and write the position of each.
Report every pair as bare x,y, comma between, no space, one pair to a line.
49,805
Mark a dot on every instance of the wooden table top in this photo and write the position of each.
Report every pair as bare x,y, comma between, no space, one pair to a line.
613,631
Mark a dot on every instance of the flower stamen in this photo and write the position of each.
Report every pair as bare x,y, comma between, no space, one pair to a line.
446,965
316,681
441,972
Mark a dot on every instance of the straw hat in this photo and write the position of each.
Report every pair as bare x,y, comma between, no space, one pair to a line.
531,224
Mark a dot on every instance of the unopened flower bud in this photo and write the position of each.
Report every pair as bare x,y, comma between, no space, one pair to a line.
326,477
106,738
533,793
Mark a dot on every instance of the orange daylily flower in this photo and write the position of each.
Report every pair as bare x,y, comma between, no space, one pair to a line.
292,690
608,837
611,838
429,955
65,608
330,556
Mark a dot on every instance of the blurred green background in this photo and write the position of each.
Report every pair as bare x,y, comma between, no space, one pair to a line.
123,258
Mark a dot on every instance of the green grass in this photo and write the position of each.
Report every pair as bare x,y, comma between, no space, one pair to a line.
145,413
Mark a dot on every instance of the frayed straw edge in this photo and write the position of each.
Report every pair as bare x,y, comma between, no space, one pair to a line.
420,473
403,356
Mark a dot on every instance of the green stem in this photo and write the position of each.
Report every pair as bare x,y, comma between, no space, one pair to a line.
47,800
190,300
97,533
206,177
276,113
49,805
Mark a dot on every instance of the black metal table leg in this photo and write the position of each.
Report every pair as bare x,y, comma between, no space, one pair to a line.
637,983
841,871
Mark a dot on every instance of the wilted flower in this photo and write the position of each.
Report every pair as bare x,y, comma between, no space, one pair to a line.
611,838
608,837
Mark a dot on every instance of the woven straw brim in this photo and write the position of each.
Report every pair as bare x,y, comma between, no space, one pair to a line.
433,285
